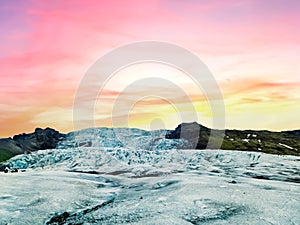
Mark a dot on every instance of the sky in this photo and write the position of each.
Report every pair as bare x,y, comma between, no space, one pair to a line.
251,47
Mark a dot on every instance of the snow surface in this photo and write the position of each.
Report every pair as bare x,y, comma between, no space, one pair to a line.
130,176
284,145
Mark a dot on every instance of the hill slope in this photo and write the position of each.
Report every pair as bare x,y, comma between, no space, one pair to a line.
26,143
282,143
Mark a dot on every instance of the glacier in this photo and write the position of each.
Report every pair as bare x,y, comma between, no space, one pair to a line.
132,176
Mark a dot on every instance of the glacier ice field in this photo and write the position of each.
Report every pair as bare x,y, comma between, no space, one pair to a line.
132,176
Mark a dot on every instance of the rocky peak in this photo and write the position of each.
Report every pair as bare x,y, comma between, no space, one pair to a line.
40,139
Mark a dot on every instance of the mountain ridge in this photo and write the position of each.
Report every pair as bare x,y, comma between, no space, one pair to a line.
40,139
273,142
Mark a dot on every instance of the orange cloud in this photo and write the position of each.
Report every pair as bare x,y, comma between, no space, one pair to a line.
47,47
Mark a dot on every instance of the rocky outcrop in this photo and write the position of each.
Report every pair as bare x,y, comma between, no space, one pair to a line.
40,139
282,143
8,148
197,134
8,143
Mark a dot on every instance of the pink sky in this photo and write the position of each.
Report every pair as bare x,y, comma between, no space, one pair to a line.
252,47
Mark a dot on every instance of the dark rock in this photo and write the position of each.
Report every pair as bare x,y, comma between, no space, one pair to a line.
281,143
197,134
15,170
6,170
59,219
85,144
8,143
40,139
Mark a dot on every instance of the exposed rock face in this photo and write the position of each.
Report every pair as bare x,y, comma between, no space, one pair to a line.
284,143
40,139
8,149
8,143
197,134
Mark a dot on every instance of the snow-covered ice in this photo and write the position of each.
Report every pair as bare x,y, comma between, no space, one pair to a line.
246,140
287,146
146,179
